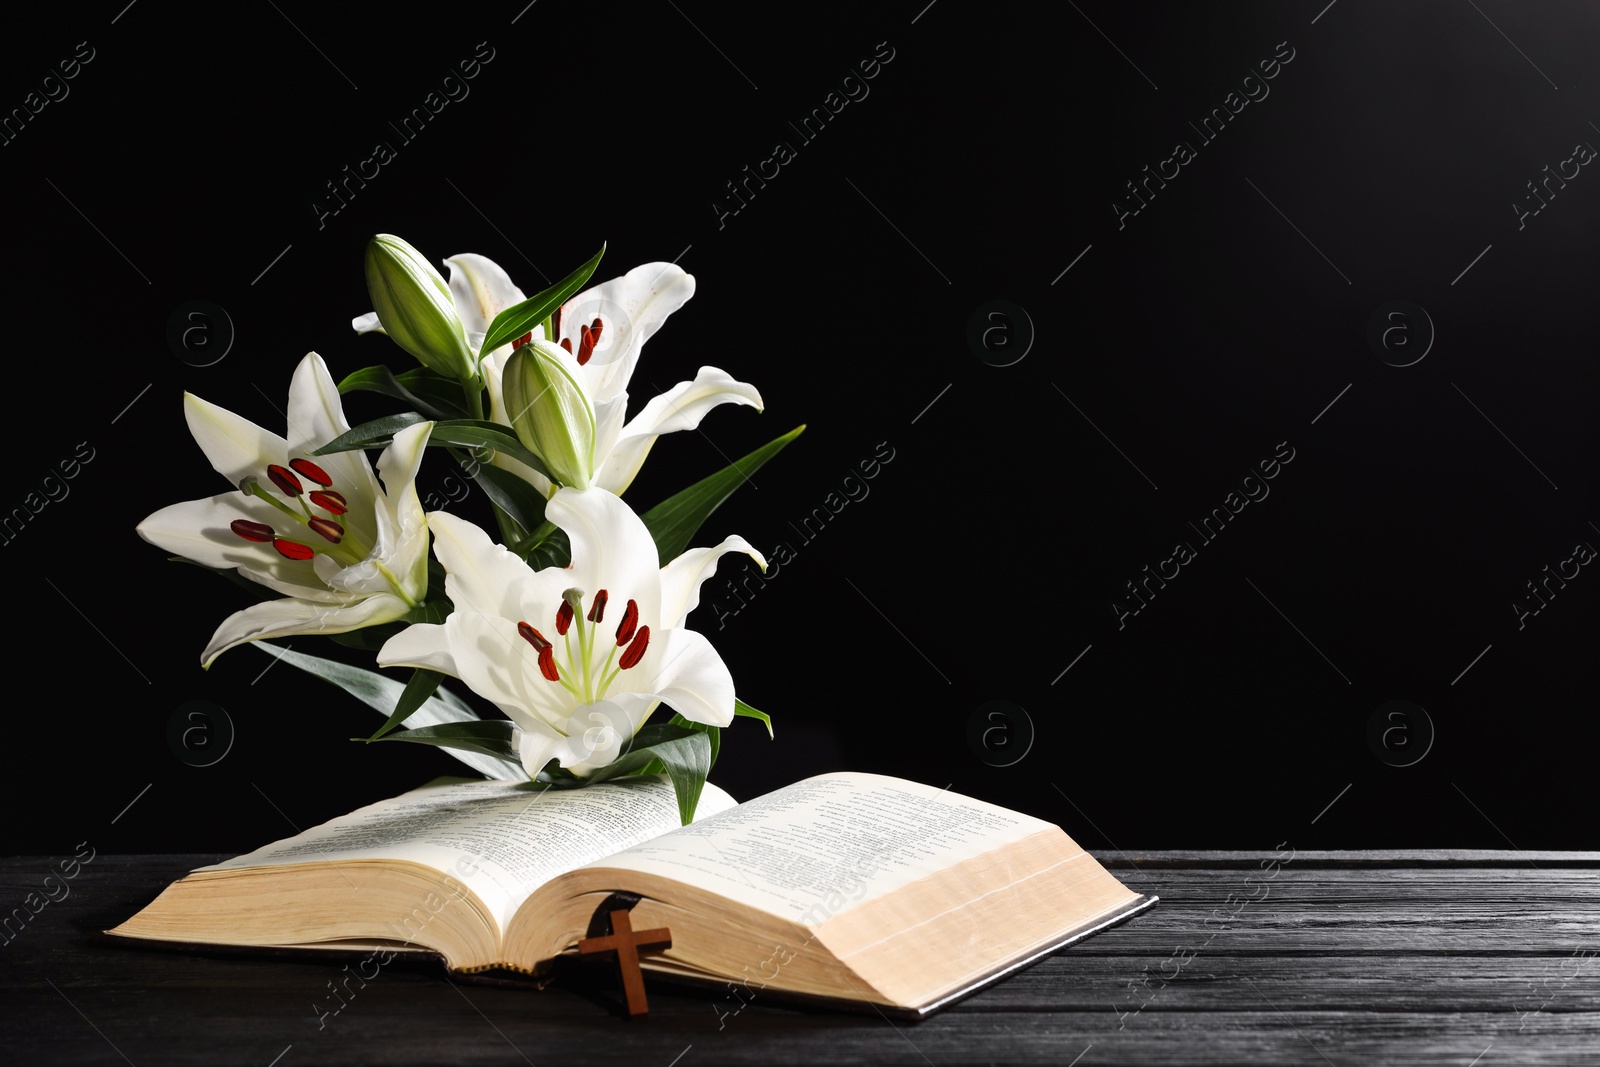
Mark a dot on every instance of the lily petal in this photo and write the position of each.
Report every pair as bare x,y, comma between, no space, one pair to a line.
281,618
236,447
481,289
611,547
199,530
536,745
402,526
679,408
422,644
597,734
487,579
317,417
681,579
631,309
367,323
689,675
501,667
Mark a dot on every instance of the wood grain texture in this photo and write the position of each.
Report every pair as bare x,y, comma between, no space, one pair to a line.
1423,958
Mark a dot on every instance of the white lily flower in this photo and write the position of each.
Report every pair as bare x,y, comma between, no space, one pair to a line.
345,550
600,332
577,657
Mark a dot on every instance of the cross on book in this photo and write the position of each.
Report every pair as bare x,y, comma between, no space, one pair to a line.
627,943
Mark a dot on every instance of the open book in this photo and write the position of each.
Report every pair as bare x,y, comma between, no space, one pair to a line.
848,886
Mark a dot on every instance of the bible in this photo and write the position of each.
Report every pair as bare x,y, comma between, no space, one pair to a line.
850,888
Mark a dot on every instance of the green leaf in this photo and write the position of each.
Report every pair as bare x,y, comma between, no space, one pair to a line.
422,686
688,761
713,732
475,433
369,638
741,708
537,535
382,693
684,753
487,737
471,433
430,611
372,434
510,494
434,394
518,319
553,551
674,521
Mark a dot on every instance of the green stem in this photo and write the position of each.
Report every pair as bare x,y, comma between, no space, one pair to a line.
473,391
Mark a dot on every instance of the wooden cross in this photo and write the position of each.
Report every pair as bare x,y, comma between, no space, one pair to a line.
626,944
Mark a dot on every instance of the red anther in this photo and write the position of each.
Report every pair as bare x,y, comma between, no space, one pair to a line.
293,549
566,342
555,322
563,618
635,652
329,500
630,619
524,339
598,612
533,637
251,531
547,664
585,345
594,329
330,530
285,480
312,471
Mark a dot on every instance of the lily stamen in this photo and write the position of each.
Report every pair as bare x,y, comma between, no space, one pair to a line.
252,531
332,502
547,657
293,549
588,338
533,637
575,669
547,664
630,621
285,480
330,530
636,650
312,471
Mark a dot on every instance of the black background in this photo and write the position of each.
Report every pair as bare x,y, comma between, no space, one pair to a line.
1183,346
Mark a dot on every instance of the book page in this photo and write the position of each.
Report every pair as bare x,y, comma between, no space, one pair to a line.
502,840
814,849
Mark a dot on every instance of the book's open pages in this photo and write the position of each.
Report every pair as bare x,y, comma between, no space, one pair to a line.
441,868
843,886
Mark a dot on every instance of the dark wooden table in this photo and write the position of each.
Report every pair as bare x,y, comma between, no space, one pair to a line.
1455,958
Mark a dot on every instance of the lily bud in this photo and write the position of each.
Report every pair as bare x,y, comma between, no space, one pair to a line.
413,303
550,411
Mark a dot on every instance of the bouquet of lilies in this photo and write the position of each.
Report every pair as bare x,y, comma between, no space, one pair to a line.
572,620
